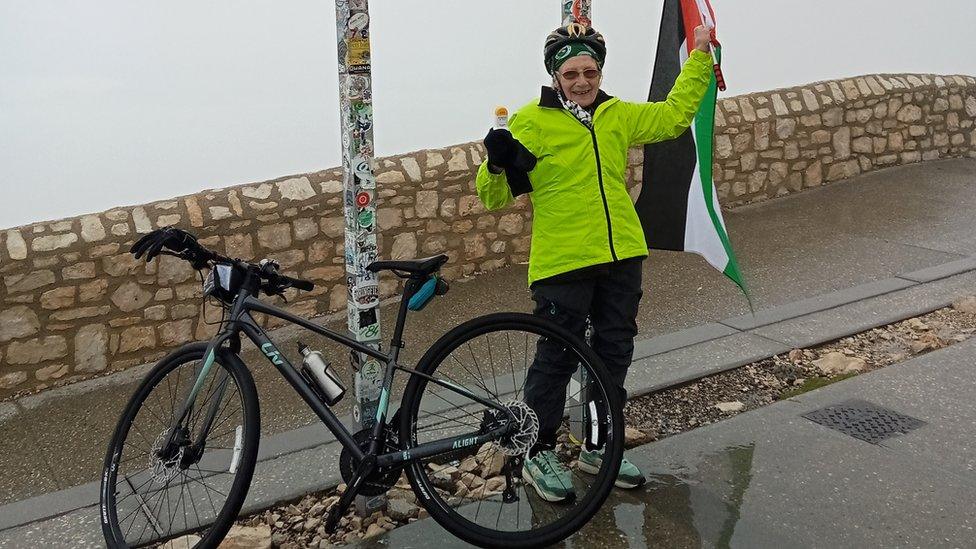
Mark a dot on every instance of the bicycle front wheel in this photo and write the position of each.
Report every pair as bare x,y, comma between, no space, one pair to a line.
487,494
157,485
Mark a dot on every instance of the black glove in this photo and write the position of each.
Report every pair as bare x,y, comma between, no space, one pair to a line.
507,153
504,151
175,240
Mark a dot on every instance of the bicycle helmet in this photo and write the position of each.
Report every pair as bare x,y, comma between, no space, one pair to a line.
569,34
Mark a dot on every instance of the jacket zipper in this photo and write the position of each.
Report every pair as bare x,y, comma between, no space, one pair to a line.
603,193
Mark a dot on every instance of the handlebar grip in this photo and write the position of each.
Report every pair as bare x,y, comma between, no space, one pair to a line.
300,284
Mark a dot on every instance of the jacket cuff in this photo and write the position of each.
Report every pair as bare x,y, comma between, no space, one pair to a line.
701,57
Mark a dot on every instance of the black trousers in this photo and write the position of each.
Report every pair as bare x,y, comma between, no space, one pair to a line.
609,294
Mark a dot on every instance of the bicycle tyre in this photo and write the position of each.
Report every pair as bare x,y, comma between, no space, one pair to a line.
250,424
420,481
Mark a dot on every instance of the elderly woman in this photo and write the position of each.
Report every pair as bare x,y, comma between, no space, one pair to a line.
568,151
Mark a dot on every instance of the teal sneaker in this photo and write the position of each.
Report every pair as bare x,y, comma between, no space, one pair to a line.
549,476
628,477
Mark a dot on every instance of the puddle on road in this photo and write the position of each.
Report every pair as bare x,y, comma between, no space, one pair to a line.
678,507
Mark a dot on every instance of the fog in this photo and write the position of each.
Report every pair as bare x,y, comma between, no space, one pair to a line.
115,102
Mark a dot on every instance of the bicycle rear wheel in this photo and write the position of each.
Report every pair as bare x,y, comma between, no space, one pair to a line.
481,494
151,492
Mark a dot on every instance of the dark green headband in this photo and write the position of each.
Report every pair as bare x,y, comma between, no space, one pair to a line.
570,51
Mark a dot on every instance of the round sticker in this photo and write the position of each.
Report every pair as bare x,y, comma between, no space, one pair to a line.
358,21
362,200
366,218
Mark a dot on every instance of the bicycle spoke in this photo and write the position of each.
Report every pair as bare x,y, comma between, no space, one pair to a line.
480,360
164,489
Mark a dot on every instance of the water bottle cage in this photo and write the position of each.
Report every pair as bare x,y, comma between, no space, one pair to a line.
426,292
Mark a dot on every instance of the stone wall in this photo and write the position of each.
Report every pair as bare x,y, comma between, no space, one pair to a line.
75,304
774,143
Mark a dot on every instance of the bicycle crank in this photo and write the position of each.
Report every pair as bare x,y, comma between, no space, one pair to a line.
378,481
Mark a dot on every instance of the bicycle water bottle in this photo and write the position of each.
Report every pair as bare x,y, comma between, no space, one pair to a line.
318,369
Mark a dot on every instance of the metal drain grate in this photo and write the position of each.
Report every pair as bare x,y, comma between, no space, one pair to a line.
864,421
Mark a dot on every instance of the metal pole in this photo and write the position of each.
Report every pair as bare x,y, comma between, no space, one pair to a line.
578,11
575,11
359,191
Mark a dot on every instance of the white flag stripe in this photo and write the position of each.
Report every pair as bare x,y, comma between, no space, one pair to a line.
701,236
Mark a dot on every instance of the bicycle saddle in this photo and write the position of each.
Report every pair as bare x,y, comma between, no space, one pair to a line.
423,267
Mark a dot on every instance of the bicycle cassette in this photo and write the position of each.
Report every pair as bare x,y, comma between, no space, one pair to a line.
380,480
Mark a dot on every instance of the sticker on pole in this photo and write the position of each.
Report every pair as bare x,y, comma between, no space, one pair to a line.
363,199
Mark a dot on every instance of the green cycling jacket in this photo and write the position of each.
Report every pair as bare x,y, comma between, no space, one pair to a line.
582,213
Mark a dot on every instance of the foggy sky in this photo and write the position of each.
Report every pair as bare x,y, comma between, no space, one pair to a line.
113,103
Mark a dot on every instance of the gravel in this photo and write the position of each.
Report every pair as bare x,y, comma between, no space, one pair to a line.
651,417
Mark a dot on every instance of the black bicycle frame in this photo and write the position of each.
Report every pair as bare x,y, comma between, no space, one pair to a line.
240,320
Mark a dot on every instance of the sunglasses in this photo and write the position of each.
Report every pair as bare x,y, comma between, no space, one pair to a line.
589,74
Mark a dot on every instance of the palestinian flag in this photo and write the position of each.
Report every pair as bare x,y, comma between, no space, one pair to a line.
678,205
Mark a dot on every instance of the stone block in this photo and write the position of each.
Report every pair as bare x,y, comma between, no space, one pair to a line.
193,211
173,271
511,224
434,159
296,188
833,117
37,350
333,227
239,245
475,246
404,246
91,348
93,290
91,228
79,271
17,322
58,298
412,169
909,113
124,265
130,296
16,246
842,142
862,145
137,338
274,237
458,161
175,333
55,371
785,127
390,177
11,380
53,242
141,220
305,228
469,205
156,312
258,192
435,244
80,312
427,202
29,281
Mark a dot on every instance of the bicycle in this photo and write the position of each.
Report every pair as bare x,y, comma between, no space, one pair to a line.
166,464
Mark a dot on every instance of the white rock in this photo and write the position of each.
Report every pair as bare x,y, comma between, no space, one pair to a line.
296,188
16,246
734,406
141,220
412,168
838,363
248,537
965,305
185,542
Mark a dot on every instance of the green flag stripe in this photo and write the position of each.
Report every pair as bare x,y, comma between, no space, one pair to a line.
704,133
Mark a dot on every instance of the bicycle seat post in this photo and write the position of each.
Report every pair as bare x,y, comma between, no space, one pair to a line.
409,289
